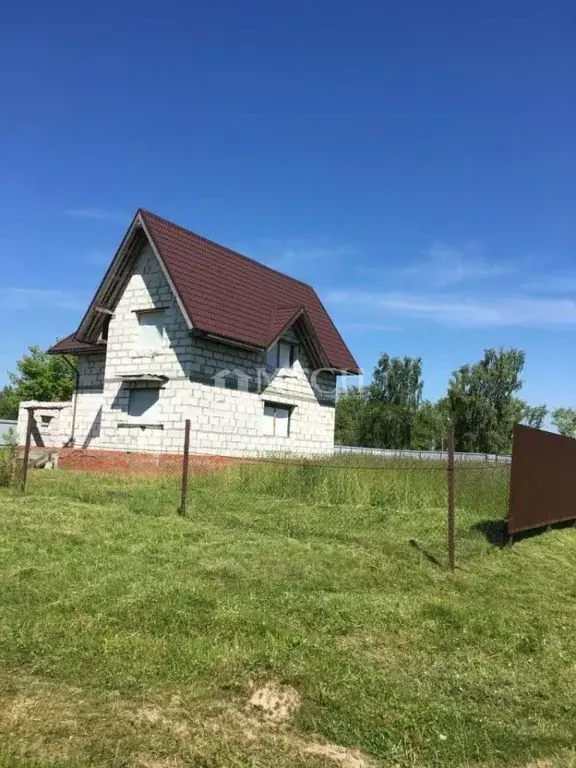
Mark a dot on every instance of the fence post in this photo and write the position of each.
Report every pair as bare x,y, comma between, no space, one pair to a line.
27,449
451,502
185,460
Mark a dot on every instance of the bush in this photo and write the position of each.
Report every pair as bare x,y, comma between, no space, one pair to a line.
9,463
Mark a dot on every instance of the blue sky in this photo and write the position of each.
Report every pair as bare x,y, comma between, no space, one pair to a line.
414,161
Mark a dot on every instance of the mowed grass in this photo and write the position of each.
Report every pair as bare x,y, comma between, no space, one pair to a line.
130,636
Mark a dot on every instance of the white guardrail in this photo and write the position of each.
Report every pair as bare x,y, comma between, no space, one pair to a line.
391,453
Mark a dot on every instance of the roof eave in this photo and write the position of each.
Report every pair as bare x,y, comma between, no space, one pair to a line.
71,346
229,340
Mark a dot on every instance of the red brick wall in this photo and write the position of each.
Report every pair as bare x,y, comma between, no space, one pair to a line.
131,463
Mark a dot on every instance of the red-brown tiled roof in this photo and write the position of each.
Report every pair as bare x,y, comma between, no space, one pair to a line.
282,319
230,295
71,346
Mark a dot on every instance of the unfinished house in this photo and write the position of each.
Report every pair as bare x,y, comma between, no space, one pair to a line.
183,328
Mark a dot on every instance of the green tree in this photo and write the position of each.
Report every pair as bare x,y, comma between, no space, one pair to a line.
397,381
385,426
394,396
8,403
482,403
564,419
350,405
390,413
531,415
40,377
430,426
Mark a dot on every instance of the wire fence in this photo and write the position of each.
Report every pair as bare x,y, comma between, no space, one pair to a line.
443,498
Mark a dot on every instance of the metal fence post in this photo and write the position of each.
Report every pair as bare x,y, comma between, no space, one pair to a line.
185,462
27,449
451,502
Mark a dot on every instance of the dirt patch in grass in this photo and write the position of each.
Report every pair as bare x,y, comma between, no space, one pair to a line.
45,718
168,720
346,758
151,761
277,703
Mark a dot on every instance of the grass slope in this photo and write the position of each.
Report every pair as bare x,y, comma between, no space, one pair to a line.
132,637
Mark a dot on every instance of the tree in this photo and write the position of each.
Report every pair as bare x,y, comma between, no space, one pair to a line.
394,396
382,415
564,419
482,403
350,405
430,426
531,415
397,381
40,377
8,403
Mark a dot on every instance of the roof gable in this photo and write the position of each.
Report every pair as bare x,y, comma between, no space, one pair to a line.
220,292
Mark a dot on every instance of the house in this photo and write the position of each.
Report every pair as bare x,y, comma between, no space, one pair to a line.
183,328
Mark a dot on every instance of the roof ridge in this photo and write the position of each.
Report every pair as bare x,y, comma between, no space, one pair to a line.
225,248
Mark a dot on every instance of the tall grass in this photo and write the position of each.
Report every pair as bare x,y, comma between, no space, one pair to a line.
389,483
9,462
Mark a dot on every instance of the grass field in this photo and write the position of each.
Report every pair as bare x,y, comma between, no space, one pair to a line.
130,636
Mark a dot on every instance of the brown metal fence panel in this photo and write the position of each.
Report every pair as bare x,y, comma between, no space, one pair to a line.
543,479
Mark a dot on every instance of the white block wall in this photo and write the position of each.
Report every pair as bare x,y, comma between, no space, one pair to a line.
224,421
89,400
52,423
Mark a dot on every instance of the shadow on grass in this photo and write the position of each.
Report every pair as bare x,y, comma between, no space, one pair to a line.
496,531
428,555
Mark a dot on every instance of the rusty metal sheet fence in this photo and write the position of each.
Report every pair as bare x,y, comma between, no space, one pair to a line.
543,479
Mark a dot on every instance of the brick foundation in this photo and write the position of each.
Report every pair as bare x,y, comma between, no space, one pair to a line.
133,463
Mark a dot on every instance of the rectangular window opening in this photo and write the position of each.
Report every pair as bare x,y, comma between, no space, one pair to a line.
281,355
105,328
143,403
277,420
151,329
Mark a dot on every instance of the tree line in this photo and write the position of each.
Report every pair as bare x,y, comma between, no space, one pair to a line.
481,405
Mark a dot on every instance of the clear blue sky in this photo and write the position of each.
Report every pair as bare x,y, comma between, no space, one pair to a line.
414,161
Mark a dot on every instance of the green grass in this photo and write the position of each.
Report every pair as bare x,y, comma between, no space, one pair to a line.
130,636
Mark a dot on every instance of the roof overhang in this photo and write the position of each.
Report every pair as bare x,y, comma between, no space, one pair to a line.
116,277
226,340
72,346
297,318
113,282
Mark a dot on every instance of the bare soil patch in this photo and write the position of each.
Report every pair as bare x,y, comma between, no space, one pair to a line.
276,702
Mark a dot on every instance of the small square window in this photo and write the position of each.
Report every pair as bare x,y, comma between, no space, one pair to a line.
277,420
45,420
143,403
